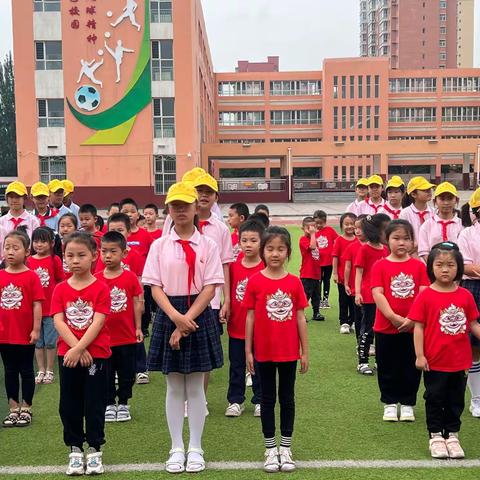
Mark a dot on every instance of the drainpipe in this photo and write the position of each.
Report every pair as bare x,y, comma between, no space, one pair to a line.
289,168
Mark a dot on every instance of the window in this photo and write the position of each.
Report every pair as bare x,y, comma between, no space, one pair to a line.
344,117
443,5
162,60
335,87
248,88
369,78
52,167
443,30
461,114
48,55
461,84
360,117
163,118
376,118
377,85
335,117
443,56
344,86
368,116
360,86
443,17
243,140
443,43
51,113
400,85
165,171
335,172
352,86
421,114
46,5
295,87
352,117
295,117
241,118
161,12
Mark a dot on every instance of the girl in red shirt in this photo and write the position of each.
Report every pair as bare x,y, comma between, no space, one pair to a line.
444,314
396,281
79,307
374,230
49,269
67,224
21,298
276,325
345,302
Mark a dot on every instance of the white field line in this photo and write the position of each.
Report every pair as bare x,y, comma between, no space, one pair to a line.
312,464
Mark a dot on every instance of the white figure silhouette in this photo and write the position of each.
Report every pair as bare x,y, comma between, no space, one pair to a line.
117,54
88,69
128,12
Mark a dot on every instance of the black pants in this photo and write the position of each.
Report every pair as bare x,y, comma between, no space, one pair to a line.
149,307
122,362
366,331
312,292
325,281
83,395
398,379
286,395
345,306
444,400
18,364
141,358
236,383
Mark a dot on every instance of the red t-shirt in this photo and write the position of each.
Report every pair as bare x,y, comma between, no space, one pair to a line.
121,319
340,245
349,256
401,282
155,234
275,304
366,257
50,272
140,242
18,291
239,276
78,308
446,317
133,262
310,267
325,238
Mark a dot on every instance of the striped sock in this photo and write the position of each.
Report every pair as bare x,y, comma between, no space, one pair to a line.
270,442
286,442
474,379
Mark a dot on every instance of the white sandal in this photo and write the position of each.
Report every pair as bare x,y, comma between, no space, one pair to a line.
176,461
197,465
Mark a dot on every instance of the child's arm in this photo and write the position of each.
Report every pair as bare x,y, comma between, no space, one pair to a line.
303,335
472,270
335,269
346,275
475,328
138,307
37,322
418,337
383,305
249,341
225,310
313,238
358,285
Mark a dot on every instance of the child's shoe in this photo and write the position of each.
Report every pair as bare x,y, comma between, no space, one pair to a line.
49,377
39,377
406,413
318,317
271,464
111,413
390,413
25,417
345,329
286,462
76,465
257,411
94,462
123,413
142,378
364,369
453,446
12,418
176,461
475,407
437,446
371,352
325,303
234,410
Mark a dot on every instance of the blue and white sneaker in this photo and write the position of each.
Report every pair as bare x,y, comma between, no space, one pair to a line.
76,465
94,462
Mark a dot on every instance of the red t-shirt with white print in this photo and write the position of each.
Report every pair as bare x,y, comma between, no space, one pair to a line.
310,267
325,238
339,247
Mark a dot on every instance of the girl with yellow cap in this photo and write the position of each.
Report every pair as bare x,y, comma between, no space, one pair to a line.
395,191
372,204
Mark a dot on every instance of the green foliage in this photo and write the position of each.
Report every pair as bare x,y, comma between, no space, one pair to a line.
8,141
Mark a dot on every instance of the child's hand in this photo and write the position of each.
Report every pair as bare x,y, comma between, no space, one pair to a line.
348,290
34,336
358,299
304,363
250,363
86,359
397,320
422,364
139,335
175,339
312,229
184,323
406,326
72,357
224,314
335,277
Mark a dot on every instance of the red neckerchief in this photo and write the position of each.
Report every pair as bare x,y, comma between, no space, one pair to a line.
201,224
421,215
375,207
190,257
51,213
445,224
16,222
395,213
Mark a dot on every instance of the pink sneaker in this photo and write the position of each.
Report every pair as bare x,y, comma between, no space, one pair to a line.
453,446
438,447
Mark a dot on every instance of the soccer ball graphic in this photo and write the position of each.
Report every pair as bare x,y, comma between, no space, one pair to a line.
87,98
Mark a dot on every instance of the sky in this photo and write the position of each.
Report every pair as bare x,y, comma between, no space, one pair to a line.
301,32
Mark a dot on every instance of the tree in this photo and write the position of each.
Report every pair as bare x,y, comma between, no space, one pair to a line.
8,139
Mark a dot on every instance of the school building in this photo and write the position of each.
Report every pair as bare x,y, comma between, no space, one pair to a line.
121,97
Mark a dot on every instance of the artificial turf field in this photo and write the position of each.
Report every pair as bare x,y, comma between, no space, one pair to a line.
338,418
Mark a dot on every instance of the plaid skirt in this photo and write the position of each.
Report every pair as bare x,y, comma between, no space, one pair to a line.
473,286
201,351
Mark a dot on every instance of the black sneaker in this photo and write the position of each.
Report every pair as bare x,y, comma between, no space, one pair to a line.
318,317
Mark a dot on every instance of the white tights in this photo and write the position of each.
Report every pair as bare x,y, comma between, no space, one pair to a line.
180,388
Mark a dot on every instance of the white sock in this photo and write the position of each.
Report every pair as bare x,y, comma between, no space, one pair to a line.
175,408
196,408
474,379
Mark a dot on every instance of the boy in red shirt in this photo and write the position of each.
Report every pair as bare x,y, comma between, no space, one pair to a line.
238,213
325,238
124,323
240,271
88,221
310,270
150,212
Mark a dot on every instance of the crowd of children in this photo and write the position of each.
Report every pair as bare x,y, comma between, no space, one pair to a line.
86,291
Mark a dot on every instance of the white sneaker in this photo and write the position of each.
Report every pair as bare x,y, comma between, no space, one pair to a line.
345,329
76,465
364,369
286,462
142,378
248,379
475,407
453,446
94,462
437,446
234,410
390,413
271,463
406,413
111,413
123,413
257,411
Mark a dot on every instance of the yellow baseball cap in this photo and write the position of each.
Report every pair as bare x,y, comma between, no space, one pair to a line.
474,201
445,187
395,182
68,187
208,180
183,192
418,183
193,174
375,180
16,187
38,189
362,182
55,185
